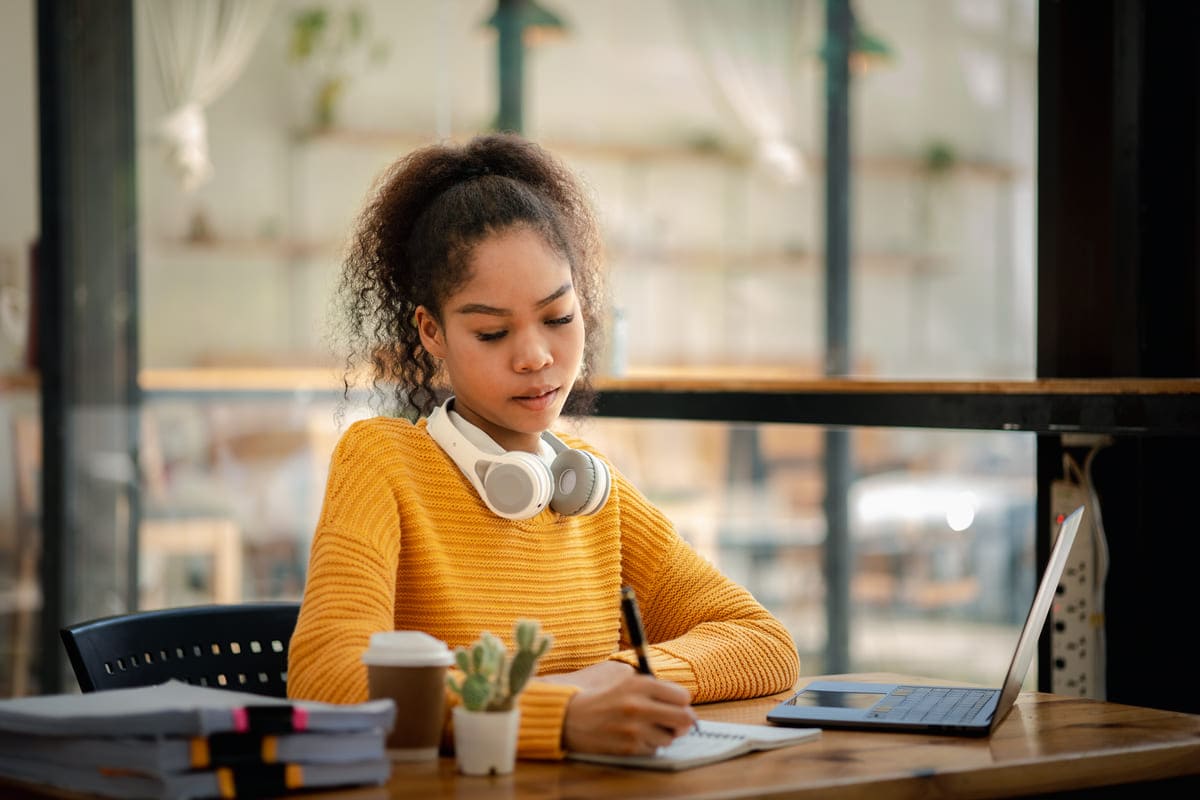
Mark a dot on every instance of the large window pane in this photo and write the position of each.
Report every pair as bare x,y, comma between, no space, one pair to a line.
941,523
941,528
714,230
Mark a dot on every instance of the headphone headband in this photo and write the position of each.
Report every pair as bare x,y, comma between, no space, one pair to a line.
518,485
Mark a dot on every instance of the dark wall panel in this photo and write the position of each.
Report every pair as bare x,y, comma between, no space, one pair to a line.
1119,84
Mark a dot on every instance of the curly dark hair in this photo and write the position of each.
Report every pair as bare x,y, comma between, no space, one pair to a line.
412,247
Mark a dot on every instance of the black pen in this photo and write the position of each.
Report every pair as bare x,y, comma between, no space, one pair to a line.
637,635
633,624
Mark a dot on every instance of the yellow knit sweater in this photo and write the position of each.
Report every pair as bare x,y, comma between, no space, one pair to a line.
404,542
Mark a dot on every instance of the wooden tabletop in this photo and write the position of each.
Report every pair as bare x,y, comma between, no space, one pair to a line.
1048,743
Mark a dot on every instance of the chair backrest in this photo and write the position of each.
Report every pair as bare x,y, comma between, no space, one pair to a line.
242,646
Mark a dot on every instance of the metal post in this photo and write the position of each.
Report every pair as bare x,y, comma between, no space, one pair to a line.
510,51
839,26
87,304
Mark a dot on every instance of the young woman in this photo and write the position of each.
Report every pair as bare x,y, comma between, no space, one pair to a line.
475,273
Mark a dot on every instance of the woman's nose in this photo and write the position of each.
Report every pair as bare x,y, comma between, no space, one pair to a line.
532,354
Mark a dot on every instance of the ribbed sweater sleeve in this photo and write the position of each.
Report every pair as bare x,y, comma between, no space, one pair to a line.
706,632
350,585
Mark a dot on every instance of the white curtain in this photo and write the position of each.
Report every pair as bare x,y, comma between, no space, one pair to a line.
200,48
755,54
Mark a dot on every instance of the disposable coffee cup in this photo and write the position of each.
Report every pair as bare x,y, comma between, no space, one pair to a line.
410,668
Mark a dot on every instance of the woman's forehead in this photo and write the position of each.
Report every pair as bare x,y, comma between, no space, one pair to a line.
518,264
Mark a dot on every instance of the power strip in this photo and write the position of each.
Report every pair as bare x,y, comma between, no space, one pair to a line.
1074,643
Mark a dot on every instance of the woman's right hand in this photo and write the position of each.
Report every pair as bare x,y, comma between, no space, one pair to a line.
632,716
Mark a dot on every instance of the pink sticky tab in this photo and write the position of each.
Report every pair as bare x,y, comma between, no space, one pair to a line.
241,720
299,719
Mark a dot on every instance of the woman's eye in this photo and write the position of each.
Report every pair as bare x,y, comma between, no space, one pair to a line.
561,320
490,337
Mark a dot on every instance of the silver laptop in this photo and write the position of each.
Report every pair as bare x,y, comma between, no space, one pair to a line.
957,710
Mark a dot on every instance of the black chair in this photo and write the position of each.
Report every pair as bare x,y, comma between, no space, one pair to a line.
241,646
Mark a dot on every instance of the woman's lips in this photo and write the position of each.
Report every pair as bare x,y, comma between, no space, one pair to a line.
538,402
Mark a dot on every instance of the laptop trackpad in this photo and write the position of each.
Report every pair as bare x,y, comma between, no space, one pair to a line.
826,702
836,699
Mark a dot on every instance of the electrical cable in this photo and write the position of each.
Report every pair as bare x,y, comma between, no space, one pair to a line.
1082,477
1098,619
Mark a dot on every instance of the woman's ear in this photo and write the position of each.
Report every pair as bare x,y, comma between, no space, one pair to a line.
433,338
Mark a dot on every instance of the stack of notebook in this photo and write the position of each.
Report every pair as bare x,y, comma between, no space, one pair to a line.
176,741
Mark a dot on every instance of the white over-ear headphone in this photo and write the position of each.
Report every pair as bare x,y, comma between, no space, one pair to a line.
518,485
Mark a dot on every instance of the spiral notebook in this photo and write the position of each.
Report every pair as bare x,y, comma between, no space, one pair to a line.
710,743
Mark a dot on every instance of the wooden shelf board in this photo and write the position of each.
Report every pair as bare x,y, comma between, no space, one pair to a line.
882,165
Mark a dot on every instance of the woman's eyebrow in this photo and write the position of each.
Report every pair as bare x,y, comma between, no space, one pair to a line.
550,298
482,308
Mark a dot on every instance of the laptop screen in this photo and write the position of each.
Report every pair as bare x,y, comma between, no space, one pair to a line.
1036,619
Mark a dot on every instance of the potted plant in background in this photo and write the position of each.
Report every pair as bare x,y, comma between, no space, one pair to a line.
335,44
486,723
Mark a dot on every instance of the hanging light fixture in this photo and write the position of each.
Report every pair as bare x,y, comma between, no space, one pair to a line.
867,51
518,24
537,23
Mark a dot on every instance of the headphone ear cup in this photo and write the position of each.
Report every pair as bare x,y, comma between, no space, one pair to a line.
581,482
516,485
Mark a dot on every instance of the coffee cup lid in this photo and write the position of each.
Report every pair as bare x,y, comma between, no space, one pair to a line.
407,649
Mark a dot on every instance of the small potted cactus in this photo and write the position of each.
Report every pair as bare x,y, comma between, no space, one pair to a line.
489,682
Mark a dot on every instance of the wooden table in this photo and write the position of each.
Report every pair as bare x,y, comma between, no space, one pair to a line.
1048,744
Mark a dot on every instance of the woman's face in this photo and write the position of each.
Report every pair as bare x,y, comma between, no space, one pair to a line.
511,338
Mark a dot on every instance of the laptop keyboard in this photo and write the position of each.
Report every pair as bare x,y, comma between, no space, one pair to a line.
931,704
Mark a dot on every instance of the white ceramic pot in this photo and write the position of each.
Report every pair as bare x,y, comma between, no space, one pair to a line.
485,742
